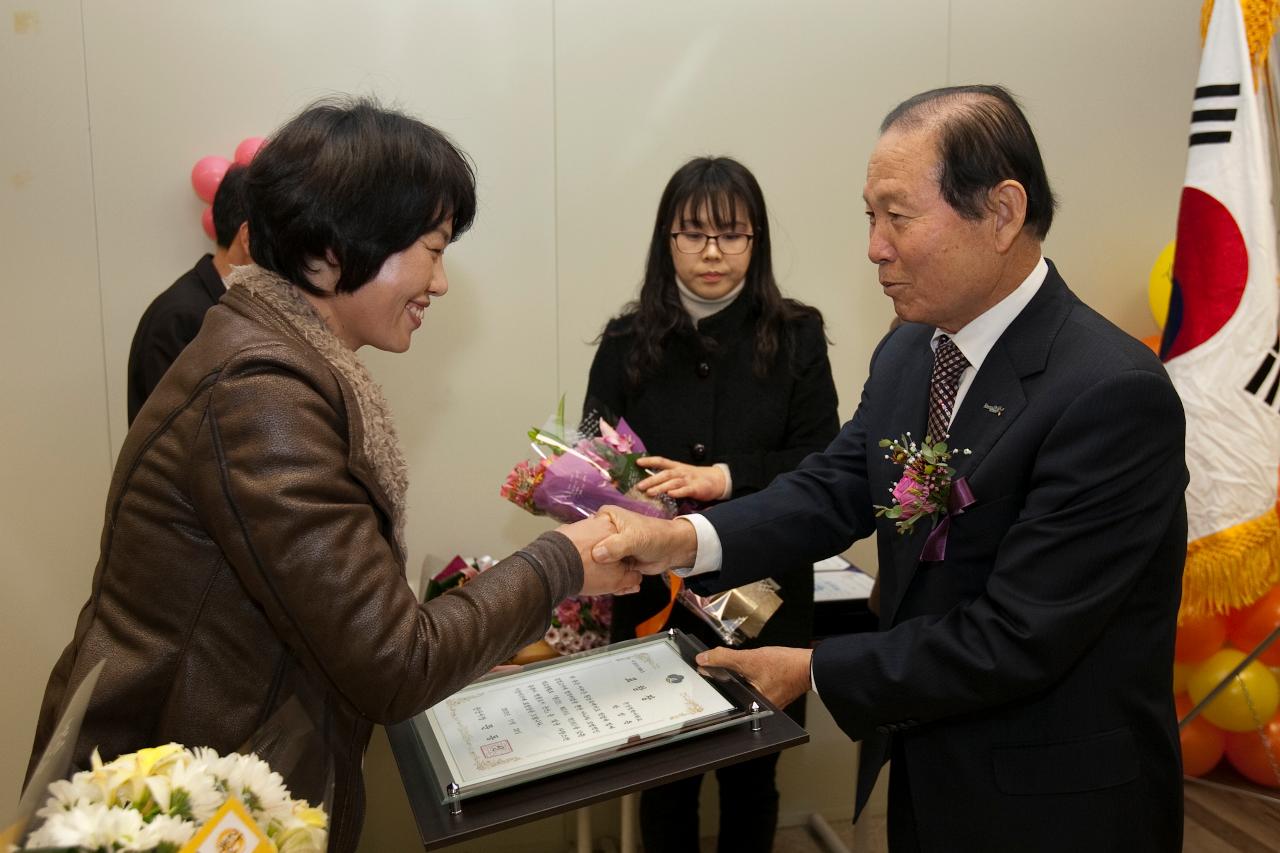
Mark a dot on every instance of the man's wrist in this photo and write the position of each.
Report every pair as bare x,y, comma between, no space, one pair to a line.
686,551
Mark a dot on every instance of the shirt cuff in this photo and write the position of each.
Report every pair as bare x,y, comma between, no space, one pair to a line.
710,553
728,481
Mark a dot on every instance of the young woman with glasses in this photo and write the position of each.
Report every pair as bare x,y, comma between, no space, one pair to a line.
728,384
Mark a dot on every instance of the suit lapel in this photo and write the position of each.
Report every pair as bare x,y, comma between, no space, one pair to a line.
993,402
909,412
997,395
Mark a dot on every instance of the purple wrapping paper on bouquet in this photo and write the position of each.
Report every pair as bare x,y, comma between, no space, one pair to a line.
576,474
574,488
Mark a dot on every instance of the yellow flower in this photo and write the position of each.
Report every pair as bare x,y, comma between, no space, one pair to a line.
311,816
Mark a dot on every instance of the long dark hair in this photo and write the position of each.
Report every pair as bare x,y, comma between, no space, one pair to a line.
727,189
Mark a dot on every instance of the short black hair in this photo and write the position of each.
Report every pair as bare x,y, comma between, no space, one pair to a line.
983,138
228,207
349,177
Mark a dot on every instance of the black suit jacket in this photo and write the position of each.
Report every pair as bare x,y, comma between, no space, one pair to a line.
1028,674
704,405
167,326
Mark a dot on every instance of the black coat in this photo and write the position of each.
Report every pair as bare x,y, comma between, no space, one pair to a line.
706,405
170,322
1028,674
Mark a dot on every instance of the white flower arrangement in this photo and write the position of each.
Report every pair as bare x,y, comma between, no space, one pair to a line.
157,799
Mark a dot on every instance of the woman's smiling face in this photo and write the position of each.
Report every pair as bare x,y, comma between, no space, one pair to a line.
386,311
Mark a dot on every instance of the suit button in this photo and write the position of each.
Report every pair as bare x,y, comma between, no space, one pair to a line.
699,452
704,370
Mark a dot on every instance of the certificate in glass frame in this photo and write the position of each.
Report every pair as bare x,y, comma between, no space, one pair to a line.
579,710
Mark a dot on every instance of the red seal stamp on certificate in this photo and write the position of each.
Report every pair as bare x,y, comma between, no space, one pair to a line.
493,750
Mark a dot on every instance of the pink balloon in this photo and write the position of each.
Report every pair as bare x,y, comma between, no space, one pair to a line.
247,148
206,174
206,221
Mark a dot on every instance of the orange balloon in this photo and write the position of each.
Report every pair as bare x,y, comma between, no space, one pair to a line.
1153,342
1248,627
1197,639
1202,742
1256,754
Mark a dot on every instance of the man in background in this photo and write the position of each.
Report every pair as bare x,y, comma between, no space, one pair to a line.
174,317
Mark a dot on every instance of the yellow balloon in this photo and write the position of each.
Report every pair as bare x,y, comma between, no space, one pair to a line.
1248,703
1181,675
1160,287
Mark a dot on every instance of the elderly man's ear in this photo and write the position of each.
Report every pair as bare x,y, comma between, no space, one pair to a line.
1007,202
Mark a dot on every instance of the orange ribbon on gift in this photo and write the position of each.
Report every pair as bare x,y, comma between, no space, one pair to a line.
654,623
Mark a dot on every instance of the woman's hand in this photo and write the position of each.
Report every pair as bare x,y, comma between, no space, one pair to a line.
599,579
698,482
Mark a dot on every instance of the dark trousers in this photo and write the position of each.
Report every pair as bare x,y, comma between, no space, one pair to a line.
748,810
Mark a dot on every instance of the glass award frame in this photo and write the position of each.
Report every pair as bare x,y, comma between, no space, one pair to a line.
579,710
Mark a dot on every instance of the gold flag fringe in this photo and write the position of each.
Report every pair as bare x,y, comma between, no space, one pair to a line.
1259,26
1231,568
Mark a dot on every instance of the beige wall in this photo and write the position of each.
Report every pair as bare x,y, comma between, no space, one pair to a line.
576,112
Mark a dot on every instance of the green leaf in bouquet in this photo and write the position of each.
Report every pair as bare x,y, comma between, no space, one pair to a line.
627,473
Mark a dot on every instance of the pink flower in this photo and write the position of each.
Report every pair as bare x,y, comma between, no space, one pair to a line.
619,442
521,483
569,614
914,497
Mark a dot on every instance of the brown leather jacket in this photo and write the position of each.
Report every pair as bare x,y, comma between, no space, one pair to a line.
248,557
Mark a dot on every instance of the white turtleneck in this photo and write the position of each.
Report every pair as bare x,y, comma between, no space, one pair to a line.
698,309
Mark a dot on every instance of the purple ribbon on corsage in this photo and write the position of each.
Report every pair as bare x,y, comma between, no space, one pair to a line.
960,499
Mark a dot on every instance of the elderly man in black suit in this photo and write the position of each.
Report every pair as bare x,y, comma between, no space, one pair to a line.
174,317
1020,683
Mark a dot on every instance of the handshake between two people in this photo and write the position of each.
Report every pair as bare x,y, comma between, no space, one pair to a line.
618,547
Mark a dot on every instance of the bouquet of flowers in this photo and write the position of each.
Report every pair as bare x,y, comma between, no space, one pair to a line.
578,471
168,799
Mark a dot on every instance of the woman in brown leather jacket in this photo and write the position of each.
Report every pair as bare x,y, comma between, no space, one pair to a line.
253,546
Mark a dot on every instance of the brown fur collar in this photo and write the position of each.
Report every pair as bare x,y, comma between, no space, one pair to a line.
381,445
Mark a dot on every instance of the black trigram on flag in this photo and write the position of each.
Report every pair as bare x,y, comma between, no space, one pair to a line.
1266,381
1213,111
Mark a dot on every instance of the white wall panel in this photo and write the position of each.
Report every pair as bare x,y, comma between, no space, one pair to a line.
793,90
197,77
1108,87
54,452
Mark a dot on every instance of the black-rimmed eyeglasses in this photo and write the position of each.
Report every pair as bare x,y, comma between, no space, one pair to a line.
694,242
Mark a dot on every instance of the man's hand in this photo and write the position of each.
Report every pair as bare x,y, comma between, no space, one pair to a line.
597,578
649,545
698,482
779,672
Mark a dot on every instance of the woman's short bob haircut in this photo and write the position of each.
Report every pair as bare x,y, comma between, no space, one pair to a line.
352,182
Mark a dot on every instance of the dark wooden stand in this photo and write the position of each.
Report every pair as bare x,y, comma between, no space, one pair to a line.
572,790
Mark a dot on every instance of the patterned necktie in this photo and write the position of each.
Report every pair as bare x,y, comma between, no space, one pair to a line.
948,365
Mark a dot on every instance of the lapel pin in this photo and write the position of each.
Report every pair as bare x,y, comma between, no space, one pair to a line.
995,410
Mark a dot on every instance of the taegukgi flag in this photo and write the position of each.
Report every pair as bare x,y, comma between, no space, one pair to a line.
1220,338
